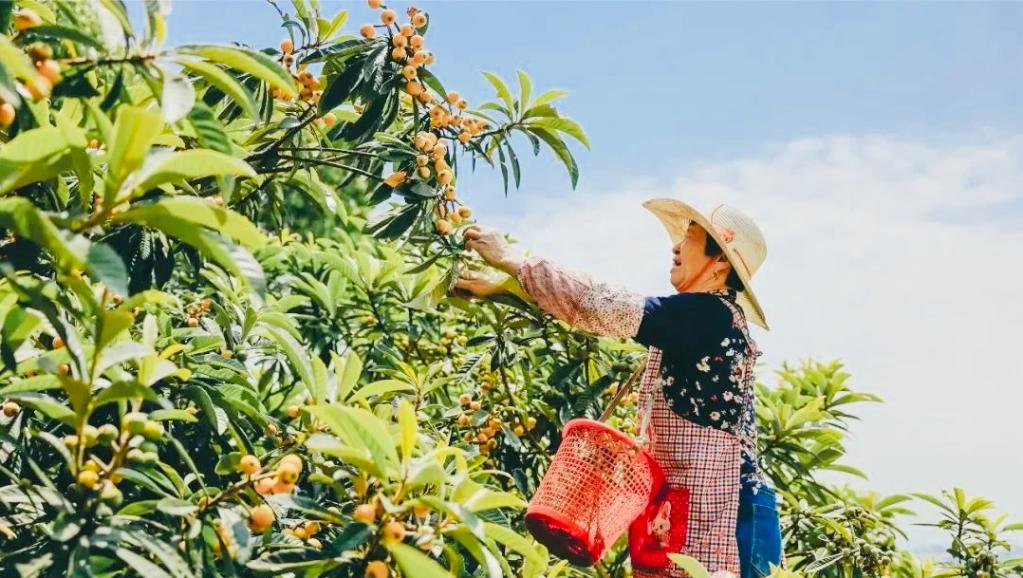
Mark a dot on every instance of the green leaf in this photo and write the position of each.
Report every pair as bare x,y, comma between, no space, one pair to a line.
192,211
409,429
360,429
691,565
548,97
106,265
297,355
65,33
565,125
350,369
134,133
516,542
559,148
414,563
216,76
21,216
178,95
176,507
525,90
189,164
33,156
254,63
379,388
341,85
501,88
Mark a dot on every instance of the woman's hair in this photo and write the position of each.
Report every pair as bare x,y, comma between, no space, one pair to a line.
714,250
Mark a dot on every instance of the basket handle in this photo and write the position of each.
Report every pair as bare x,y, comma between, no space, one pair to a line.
623,391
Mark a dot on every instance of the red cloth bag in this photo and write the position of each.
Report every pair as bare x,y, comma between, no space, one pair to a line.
660,530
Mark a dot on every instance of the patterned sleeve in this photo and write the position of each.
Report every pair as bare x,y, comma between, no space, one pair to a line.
580,301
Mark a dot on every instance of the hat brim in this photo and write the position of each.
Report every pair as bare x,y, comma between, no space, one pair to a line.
676,216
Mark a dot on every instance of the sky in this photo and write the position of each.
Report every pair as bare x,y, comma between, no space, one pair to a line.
878,145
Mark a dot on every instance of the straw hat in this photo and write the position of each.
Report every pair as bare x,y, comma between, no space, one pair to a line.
735,233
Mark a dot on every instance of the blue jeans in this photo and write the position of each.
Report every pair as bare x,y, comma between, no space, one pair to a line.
758,532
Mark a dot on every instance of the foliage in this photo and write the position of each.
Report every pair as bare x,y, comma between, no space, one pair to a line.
227,342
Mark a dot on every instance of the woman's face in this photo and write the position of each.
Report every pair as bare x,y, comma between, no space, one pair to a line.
689,256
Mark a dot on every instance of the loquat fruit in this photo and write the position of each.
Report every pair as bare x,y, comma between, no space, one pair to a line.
424,172
287,46
399,41
374,4
265,486
464,137
425,97
367,31
377,569
406,30
282,487
292,460
365,513
260,518
40,88
443,227
421,510
422,160
419,20
409,72
88,479
444,177
312,529
530,422
7,115
330,119
464,420
388,16
465,212
394,531
416,41
413,88
26,18
249,464
475,405
450,193
294,411
192,322
314,543
11,408
398,54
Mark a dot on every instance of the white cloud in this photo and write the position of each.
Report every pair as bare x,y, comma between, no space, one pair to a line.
869,261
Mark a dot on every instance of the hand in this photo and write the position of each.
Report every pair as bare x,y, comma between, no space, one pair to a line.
475,284
492,248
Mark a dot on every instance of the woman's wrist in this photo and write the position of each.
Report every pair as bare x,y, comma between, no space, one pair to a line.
510,265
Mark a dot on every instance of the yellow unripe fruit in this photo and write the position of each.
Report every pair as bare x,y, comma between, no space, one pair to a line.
365,513
249,464
388,16
88,479
398,54
377,569
287,46
294,411
424,172
440,165
464,137
419,20
367,31
394,532
530,422
57,343
409,72
444,177
26,18
260,518
519,431
443,227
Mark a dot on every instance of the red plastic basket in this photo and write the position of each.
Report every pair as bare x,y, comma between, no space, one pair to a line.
599,481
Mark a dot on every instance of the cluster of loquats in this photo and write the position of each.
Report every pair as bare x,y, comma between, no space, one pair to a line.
310,86
48,69
197,310
282,480
484,426
395,527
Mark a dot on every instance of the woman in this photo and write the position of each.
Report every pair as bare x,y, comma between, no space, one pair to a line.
699,376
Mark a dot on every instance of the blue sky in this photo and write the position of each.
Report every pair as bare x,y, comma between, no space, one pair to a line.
879,146
661,85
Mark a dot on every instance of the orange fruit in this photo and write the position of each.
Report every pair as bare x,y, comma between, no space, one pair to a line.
260,518
475,406
249,464
26,18
287,46
11,408
374,4
530,422
443,227
464,420
464,137
413,88
419,20
57,343
293,461
422,160
400,41
294,411
388,16
365,513
377,569
449,193
416,41
425,97
406,30
453,97
49,69
192,322
424,172
418,58
396,179
7,114
312,529
398,54
444,177
330,119
282,487
314,543
465,399
40,88
465,212
409,72
394,531
461,104
421,510
265,486
367,31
